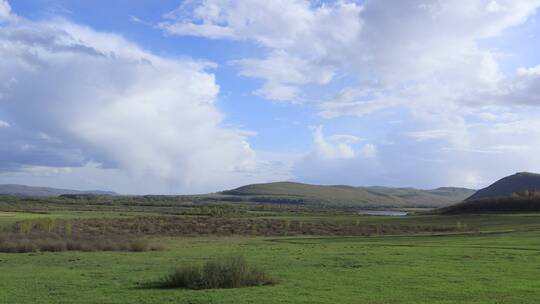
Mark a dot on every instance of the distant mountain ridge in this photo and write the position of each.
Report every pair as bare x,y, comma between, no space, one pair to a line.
375,197
22,190
298,193
505,187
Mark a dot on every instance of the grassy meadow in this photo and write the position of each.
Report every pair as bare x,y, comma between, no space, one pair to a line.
459,259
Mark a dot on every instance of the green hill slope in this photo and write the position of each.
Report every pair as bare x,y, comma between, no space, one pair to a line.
369,197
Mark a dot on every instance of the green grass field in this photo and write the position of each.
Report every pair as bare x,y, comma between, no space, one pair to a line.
500,265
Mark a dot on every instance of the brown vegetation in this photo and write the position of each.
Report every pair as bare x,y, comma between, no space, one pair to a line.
221,226
50,235
130,234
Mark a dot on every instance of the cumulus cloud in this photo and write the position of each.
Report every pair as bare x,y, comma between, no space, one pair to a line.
338,158
398,44
523,89
339,147
368,151
471,155
426,60
77,96
283,73
333,147
305,40
422,55
463,120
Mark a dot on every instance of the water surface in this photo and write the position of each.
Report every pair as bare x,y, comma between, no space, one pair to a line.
382,212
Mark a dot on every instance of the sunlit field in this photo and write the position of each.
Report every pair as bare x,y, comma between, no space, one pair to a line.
413,259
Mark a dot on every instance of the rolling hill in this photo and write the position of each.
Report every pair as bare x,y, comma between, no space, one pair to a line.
515,193
505,187
22,190
515,204
339,195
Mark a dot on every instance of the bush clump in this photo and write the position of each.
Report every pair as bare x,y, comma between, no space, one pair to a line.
230,272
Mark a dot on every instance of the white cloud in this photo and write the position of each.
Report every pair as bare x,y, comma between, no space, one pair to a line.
5,10
426,59
472,155
4,124
335,159
423,55
277,24
404,43
305,40
108,101
430,134
283,73
523,89
356,102
334,147
462,119
368,151
278,92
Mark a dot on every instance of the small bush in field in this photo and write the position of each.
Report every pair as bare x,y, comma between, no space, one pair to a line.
139,245
183,277
231,272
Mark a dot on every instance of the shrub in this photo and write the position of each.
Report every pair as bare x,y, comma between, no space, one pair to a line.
139,245
231,272
183,277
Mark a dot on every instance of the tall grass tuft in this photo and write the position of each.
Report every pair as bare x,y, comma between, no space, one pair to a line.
230,272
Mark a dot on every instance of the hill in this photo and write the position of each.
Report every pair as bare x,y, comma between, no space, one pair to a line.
339,195
22,190
515,193
517,203
509,185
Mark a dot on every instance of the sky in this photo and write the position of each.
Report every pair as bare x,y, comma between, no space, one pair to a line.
200,96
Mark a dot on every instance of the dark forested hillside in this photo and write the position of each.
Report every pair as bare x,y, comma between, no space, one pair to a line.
505,187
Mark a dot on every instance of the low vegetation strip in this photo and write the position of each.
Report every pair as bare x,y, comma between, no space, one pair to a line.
131,234
52,235
200,226
16,244
229,272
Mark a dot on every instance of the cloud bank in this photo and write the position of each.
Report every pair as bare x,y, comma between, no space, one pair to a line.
409,92
462,117
95,104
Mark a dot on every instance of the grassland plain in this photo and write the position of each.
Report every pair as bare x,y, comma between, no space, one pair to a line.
501,265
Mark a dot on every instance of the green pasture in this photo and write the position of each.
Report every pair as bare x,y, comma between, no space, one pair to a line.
500,265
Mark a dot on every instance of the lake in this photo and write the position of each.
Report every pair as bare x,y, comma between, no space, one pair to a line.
382,212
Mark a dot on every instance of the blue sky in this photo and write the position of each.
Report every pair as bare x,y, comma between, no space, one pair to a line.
203,95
